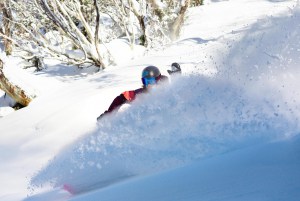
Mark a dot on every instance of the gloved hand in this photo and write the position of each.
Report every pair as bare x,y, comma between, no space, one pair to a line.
175,68
101,116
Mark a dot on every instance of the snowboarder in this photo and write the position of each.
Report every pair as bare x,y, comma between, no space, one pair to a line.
150,76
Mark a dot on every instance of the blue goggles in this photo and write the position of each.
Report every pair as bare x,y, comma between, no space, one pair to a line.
146,81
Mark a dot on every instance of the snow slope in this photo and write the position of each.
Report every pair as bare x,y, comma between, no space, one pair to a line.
225,130
268,172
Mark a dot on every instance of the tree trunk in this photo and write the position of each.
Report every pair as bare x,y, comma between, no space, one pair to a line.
99,61
157,10
12,90
176,26
144,38
140,17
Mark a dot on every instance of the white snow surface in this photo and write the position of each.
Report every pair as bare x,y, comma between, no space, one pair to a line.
226,129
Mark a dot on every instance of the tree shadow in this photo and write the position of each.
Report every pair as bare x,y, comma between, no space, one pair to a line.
276,1
195,40
218,0
62,70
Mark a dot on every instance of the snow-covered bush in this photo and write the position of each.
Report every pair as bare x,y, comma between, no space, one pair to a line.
86,24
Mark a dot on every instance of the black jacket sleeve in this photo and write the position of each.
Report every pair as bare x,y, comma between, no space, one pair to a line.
117,102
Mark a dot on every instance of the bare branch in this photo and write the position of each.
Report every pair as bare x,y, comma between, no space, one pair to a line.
14,91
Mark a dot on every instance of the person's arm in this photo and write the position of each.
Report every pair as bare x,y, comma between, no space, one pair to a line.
126,96
117,102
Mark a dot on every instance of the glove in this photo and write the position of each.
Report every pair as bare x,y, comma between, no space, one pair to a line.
101,116
175,68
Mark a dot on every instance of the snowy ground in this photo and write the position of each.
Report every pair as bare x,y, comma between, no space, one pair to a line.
228,129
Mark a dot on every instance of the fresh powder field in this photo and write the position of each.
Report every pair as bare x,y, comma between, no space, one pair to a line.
226,129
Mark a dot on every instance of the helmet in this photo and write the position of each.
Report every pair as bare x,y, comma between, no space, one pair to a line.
150,75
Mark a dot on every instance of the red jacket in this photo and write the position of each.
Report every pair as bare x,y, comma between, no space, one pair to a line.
124,97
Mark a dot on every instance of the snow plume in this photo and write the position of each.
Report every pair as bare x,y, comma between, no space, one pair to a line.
165,129
268,56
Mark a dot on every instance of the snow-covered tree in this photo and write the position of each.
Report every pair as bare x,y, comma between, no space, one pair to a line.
61,28
6,25
44,27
